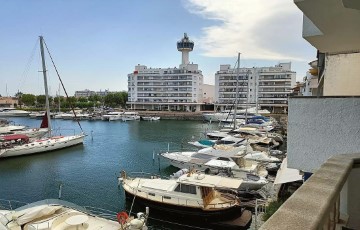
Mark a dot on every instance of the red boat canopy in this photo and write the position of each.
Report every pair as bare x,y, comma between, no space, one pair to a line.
15,137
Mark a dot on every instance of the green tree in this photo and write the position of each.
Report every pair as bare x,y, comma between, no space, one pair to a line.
28,99
124,98
110,100
18,96
82,99
116,99
71,101
40,100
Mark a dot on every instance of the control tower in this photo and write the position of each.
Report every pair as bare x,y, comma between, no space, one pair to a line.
185,45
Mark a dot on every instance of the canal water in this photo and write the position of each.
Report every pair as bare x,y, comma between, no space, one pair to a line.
89,172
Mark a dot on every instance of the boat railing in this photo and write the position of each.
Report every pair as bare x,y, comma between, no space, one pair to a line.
104,213
222,204
58,130
146,175
167,198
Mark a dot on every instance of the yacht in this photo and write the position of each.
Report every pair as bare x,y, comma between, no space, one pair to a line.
228,140
229,163
228,114
130,116
20,129
12,112
112,116
18,144
151,118
193,198
61,215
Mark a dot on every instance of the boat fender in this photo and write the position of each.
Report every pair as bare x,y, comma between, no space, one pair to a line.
122,217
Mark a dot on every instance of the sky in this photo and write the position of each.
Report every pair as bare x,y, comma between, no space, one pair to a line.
96,43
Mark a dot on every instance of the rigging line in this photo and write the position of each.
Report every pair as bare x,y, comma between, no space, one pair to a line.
67,96
27,66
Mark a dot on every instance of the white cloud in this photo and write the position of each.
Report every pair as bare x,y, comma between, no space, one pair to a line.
259,29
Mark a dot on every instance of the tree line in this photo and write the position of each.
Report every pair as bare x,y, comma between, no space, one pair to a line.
117,99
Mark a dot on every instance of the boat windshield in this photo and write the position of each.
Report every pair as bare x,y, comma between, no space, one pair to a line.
202,156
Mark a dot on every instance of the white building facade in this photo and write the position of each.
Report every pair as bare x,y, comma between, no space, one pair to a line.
267,87
178,89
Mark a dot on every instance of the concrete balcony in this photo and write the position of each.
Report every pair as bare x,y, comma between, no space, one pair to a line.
276,79
323,139
331,36
328,200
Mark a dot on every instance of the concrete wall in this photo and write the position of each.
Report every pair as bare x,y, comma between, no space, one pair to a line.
321,127
342,75
208,93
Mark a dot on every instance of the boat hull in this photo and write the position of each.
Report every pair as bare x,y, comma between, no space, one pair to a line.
192,216
42,146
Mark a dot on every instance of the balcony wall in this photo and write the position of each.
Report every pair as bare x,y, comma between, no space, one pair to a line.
330,199
318,128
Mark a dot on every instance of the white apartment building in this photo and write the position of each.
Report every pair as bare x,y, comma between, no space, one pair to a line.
268,87
167,88
208,93
84,93
88,93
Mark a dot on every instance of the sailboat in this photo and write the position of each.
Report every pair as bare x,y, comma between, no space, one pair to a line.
17,145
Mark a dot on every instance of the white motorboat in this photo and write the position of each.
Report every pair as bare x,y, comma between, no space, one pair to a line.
12,112
67,116
219,158
151,118
228,140
59,214
112,116
20,129
192,198
11,128
130,116
227,114
35,133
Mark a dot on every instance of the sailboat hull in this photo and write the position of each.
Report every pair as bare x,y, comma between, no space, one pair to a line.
194,216
44,145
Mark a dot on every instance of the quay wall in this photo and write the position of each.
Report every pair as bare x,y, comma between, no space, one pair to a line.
168,115
197,116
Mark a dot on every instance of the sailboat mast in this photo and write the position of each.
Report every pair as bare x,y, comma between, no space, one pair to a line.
45,84
237,89
59,98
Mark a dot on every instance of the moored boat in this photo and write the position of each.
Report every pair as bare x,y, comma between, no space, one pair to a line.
59,214
151,118
193,198
12,112
14,146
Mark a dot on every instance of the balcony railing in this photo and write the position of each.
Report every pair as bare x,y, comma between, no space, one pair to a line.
317,203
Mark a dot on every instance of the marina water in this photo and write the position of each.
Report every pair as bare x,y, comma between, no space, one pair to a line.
89,172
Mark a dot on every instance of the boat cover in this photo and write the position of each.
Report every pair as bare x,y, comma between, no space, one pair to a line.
30,214
14,137
210,181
